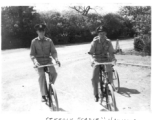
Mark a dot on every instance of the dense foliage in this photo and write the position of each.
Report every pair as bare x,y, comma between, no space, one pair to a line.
114,25
17,26
63,28
141,21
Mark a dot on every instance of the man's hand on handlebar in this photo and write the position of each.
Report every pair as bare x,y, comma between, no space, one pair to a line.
114,60
36,63
92,62
58,62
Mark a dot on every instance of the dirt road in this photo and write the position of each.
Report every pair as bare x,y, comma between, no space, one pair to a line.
20,90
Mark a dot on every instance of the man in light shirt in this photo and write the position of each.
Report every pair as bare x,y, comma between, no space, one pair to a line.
42,52
101,50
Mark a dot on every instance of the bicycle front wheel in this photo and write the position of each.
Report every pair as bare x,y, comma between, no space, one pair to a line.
53,100
116,82
110,98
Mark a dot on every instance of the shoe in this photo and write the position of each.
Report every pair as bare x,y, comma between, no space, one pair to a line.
43,99
96,98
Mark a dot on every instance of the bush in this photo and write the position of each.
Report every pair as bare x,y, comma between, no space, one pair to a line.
66,28
138,44
62,28
17,26
141,45
147,48
114,25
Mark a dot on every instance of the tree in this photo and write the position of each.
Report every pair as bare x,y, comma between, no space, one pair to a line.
113,24
17,25
82,9
93,21
140,16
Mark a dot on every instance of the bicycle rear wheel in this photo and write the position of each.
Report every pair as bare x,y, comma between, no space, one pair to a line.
116,82
53,100
110,98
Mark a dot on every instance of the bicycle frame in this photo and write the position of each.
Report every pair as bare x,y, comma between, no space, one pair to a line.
103,78
51,88
103,71
46,66
105,86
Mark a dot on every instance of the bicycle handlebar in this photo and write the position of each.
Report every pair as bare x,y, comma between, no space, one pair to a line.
105,63
44,65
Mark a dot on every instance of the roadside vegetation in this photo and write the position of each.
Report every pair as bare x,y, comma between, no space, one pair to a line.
76,26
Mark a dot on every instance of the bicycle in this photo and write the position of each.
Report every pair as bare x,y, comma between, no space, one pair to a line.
52,99
106,88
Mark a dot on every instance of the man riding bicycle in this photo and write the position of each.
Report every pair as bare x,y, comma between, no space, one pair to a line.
101,51
42,49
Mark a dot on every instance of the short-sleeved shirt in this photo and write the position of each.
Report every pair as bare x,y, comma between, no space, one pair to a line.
41,50
101,50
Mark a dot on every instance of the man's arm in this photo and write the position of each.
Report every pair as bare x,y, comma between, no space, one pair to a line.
112,51
54,52
33,53
92,51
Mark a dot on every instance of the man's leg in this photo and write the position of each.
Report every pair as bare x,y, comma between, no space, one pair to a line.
95,80
110,75
42,81
53,74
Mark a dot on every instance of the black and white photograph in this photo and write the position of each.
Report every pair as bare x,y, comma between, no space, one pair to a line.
74,58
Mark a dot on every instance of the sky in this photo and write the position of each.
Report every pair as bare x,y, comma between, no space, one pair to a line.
61,7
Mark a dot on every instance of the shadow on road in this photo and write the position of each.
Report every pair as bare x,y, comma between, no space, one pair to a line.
126,91
106,110
62,110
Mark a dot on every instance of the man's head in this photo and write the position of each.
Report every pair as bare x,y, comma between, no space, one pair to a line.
101,32
40,29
